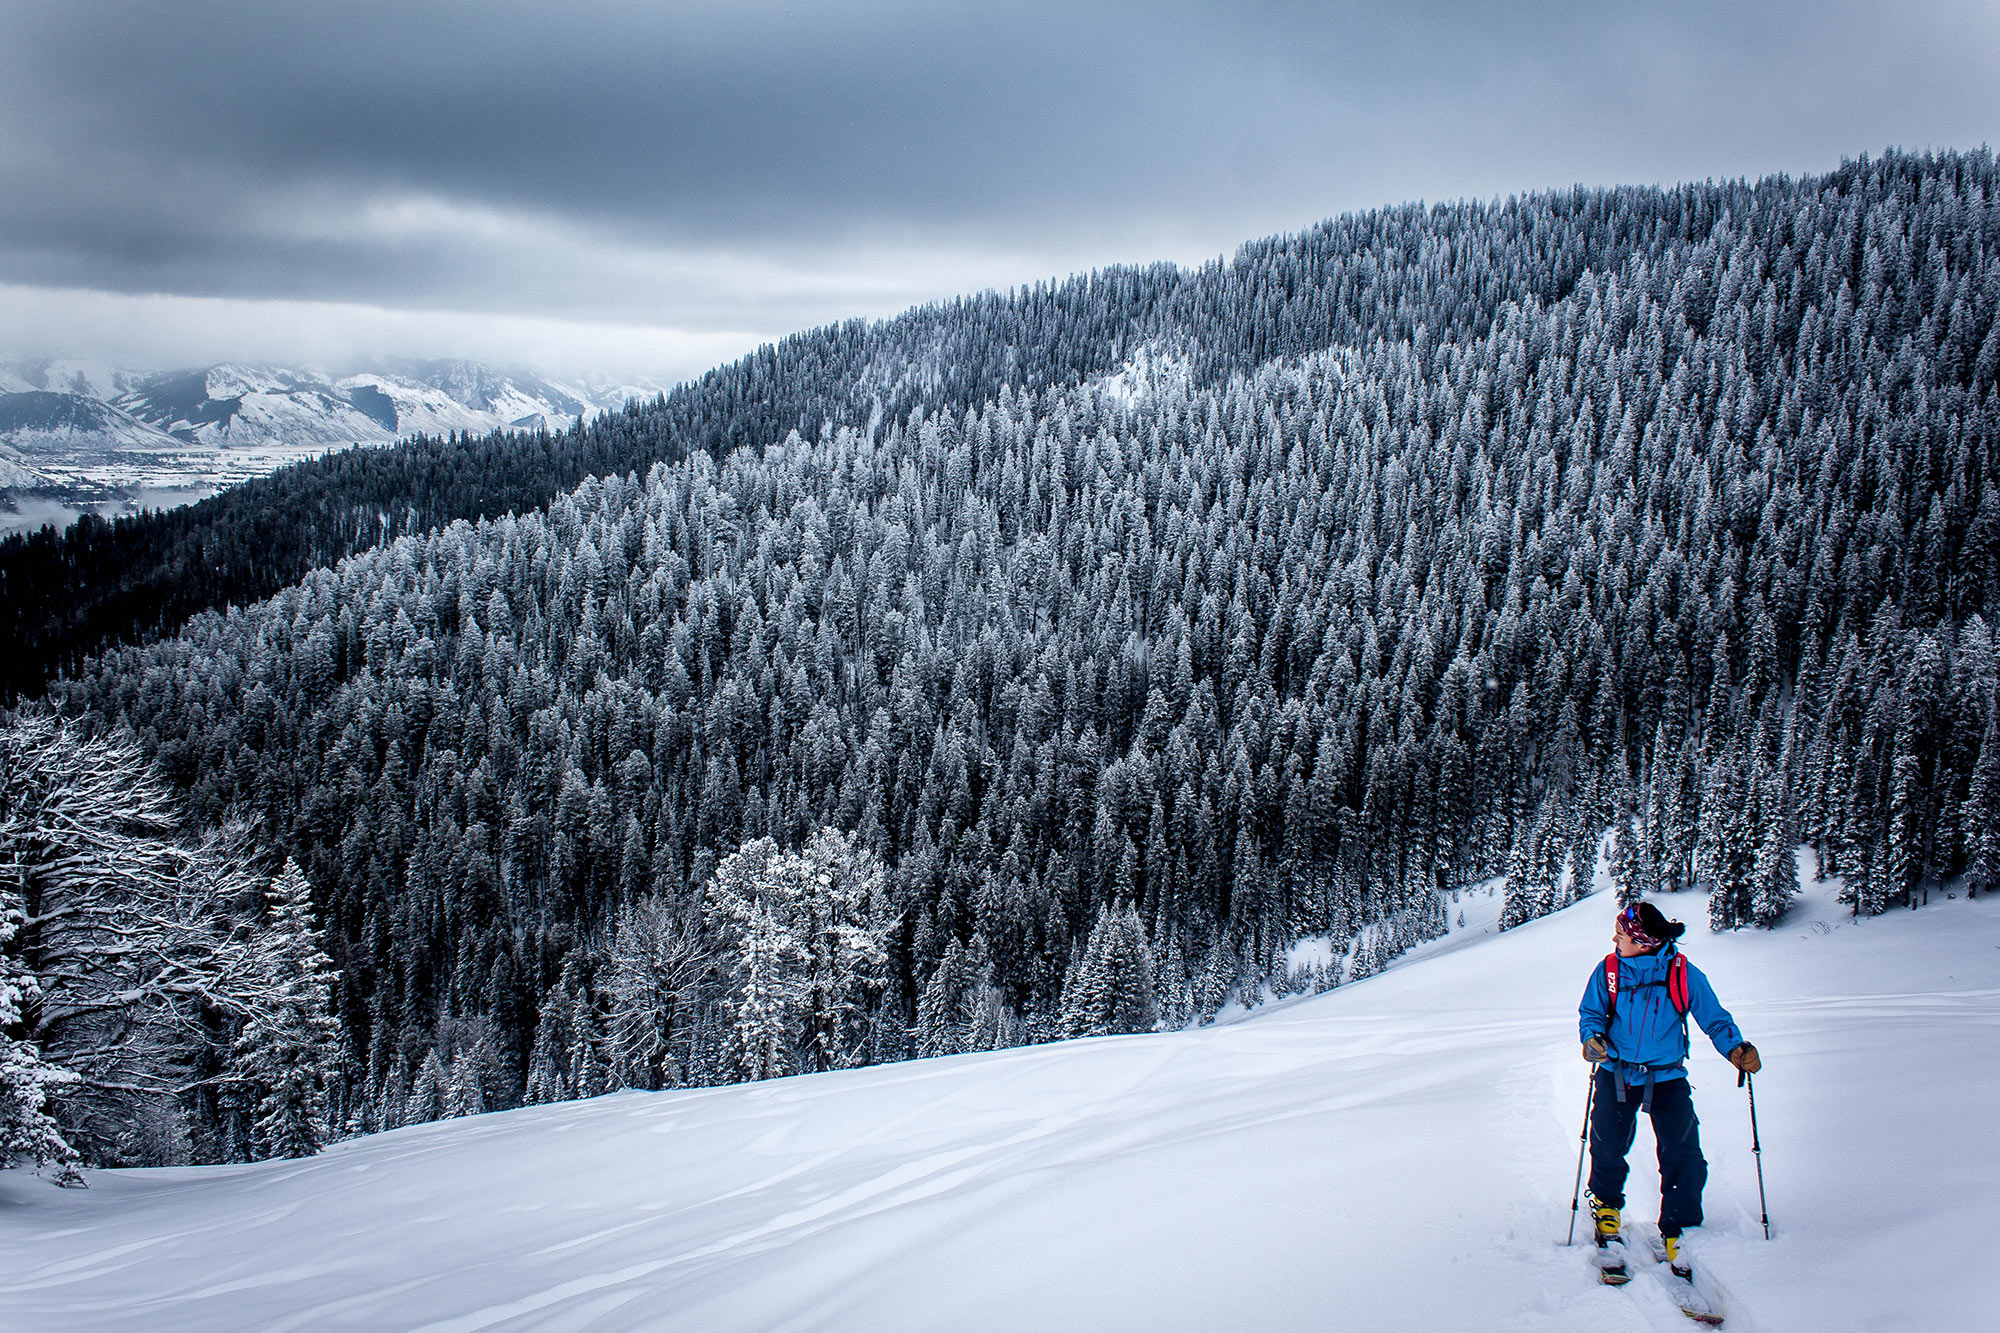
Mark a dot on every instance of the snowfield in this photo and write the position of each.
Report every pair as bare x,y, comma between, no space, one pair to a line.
1397,1154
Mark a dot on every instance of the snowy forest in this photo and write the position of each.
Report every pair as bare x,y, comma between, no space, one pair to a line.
1034,665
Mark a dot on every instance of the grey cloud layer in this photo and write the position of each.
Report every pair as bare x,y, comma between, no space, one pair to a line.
697,163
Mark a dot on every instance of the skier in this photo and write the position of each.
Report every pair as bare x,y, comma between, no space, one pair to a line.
1633,1020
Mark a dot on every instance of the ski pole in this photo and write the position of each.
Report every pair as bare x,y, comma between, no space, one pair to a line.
1583,1141
1743,1080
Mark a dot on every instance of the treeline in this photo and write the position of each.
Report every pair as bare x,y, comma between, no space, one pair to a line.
1131,686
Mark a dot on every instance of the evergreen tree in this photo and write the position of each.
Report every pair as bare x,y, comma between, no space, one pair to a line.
753,901
841,926
288,1054
465,1091
429,1095
1112,990
1983,813
1730,836
1627,853
27,1131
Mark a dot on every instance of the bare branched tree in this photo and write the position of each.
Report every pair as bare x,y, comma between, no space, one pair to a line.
144,945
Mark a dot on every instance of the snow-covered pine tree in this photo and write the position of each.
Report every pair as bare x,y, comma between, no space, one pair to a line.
1083,988
1134,1003
27,1132
427,1100
989,1022
1982,819
288,1053
394,1094
1531,878
1213,983
1775,877
753,902
938,1030
1678,832
1368,959
841,926
1174,990
465,1091
1113,988
589,1074
1906,838
1628,839
1729,832
1862,834
1711,831
548,1060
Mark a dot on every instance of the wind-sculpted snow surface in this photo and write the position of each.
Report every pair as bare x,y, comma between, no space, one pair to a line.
1395,1154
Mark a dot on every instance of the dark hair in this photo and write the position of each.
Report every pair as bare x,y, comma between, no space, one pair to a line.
1653,923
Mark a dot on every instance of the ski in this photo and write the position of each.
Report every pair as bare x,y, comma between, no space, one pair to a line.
1612,1269
1699,1301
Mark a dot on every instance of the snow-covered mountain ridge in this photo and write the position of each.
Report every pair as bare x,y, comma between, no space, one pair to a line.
231,405
1395,1154
91,436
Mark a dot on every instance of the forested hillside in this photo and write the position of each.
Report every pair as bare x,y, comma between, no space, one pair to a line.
1374,275
1133,631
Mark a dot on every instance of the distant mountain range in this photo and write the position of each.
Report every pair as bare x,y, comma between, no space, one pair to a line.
77,435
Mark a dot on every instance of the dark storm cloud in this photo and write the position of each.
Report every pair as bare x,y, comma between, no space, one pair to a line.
706,164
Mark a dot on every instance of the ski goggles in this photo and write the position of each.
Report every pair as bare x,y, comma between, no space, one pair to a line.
1628,925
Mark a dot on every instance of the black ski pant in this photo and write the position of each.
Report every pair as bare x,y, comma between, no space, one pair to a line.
1614,1122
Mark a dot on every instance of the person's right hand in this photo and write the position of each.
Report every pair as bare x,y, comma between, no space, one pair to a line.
1745,1058
1596,1051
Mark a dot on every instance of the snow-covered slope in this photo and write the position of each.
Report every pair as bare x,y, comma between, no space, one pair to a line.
63,424
1397,1154
232,406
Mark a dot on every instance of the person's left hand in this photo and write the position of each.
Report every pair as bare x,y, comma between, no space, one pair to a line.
1745,1058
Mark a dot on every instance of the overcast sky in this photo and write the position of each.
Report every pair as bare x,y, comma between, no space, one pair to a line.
655,187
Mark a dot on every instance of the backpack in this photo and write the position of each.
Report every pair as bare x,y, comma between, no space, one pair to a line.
1676,984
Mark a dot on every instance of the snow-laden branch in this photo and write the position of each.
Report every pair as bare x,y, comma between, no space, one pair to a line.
150,955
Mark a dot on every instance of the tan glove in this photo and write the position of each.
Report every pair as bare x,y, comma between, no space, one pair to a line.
1744,1057
1596,1051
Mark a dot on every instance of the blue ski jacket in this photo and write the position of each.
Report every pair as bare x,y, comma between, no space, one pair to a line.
1648,1040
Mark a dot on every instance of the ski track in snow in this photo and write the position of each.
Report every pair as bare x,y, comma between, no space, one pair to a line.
1396,1154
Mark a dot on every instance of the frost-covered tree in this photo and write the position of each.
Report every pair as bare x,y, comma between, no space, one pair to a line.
429,1094
1627,862
465,1093
27,1132
940,1028
138,937
1112,990
1776,877
1531,880
753,903
806,931
1728,850
657,963
566,1061
842,921
1983,813
288,1052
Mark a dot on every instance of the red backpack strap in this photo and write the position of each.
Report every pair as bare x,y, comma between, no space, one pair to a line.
1677,983
1610,987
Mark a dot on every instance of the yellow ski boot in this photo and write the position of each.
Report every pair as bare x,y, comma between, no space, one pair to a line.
1611,1269
1672,1245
